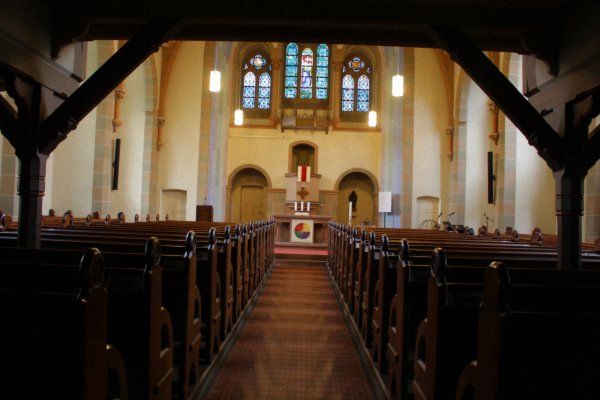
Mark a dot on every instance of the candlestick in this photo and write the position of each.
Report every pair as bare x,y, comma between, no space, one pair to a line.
295,206
302,205
308,206
350,211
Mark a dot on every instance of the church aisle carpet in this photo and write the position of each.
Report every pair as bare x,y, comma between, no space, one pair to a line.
295,345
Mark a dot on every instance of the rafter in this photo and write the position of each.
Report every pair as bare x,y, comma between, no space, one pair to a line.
592,149
66,117
8,121
525,117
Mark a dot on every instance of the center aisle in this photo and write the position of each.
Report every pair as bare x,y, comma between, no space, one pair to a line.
294,345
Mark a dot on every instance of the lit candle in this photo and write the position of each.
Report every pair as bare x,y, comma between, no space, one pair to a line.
308,206
302,205
295,206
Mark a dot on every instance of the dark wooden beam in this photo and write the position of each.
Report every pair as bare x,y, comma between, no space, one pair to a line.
525,117
66,117
8,121
592,149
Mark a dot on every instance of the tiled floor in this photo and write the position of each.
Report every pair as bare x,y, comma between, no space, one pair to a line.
294,345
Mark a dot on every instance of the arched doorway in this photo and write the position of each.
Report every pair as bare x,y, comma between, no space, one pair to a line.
248,195
365,188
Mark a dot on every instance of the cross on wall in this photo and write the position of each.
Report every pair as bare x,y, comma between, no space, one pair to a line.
302,193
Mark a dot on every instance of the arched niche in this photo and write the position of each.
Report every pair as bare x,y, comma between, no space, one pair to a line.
365,185
174,204
302,152
247,193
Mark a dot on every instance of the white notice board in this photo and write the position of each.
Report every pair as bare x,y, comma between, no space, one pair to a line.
385,202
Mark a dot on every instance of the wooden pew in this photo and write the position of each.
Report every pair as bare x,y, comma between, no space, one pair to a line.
536,340
237,257
407,310
181,297
54,334
140,326
361,266
385,288
468,261
368,287
351,275
446,338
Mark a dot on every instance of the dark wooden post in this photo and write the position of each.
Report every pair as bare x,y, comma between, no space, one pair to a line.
35,137
569,156
569,210
32,184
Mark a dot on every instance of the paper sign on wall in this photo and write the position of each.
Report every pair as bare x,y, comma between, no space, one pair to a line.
385,202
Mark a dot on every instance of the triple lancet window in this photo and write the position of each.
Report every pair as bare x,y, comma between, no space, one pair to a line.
306,72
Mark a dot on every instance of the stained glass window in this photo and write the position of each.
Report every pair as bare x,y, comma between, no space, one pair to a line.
306,75
249,91
306,72
322,71
264,91
256,82
356,85
362,94
348,93
291,71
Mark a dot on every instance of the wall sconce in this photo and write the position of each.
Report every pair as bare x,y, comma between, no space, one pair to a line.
372,118
215,81
238,117
397,85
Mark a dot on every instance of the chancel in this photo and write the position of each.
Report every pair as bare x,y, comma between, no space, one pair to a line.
369,200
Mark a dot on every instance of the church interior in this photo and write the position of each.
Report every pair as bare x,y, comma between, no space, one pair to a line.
372,199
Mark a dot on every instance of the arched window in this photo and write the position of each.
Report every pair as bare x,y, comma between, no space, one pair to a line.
356,86
306,72
256,83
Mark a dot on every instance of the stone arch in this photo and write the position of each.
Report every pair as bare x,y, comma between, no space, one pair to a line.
371,176
236,171
365,184
307,143
250,180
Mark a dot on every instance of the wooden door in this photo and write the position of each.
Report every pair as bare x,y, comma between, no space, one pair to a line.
252,203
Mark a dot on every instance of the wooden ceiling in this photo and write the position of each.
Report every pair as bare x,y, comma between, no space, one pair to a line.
507,25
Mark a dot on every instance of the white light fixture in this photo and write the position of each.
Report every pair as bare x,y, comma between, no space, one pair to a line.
215,81
238,117
372,118
397,85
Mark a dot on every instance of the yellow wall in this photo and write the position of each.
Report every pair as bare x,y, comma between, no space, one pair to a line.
128,197
431,116
338,152
72,164
178,158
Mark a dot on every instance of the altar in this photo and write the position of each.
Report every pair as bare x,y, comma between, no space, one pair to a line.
302,225
302,229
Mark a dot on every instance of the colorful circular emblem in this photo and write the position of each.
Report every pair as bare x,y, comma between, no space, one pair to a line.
302,231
